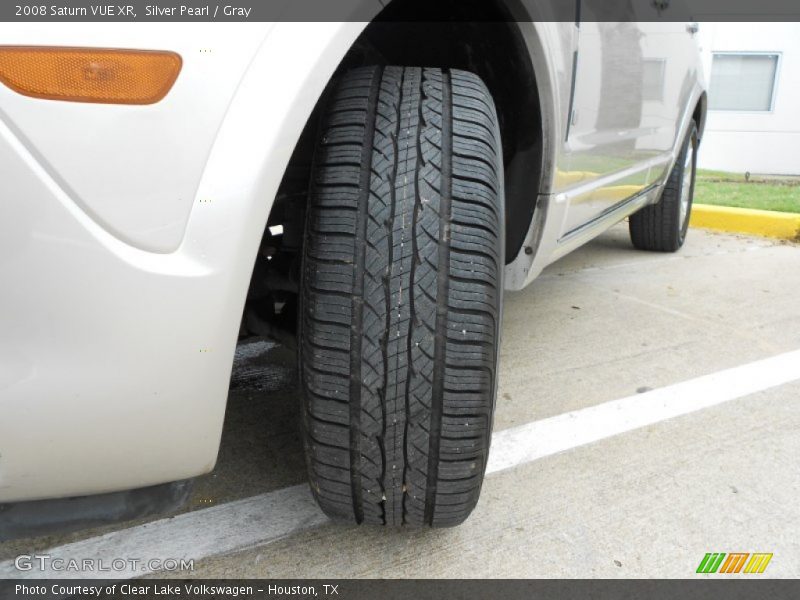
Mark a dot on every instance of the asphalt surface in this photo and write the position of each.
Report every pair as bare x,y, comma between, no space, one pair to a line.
604,323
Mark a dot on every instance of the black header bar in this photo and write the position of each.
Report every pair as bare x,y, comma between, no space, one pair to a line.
389,10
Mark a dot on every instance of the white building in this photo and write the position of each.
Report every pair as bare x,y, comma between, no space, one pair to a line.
753,71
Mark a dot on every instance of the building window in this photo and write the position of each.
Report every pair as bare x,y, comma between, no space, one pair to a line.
743,82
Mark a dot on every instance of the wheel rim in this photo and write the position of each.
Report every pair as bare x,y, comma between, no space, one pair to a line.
686,184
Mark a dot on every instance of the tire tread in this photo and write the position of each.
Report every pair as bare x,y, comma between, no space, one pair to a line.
402,276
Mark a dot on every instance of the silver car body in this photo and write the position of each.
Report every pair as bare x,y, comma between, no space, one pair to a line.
129,232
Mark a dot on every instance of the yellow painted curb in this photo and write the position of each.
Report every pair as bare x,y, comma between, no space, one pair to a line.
767,223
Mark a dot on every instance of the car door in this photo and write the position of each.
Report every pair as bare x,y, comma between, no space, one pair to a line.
626,97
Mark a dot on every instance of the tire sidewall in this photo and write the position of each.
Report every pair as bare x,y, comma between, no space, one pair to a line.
691,141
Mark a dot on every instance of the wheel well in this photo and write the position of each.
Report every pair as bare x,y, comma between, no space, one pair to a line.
699,115
474,35
478,36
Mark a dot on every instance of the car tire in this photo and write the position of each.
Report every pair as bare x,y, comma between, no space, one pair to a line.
662,227
401,296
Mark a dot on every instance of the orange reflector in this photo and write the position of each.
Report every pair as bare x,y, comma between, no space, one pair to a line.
89,74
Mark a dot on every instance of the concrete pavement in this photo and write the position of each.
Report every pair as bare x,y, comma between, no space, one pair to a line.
604,323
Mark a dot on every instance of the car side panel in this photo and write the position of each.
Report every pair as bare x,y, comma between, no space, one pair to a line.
574,204
115,361
135,169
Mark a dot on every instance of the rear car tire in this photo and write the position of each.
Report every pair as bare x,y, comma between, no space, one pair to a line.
662,227
401,295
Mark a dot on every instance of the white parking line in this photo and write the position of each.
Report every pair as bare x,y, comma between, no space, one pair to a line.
196,535
518,445
269,517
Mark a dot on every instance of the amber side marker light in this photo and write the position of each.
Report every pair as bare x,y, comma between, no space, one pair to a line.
100,75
